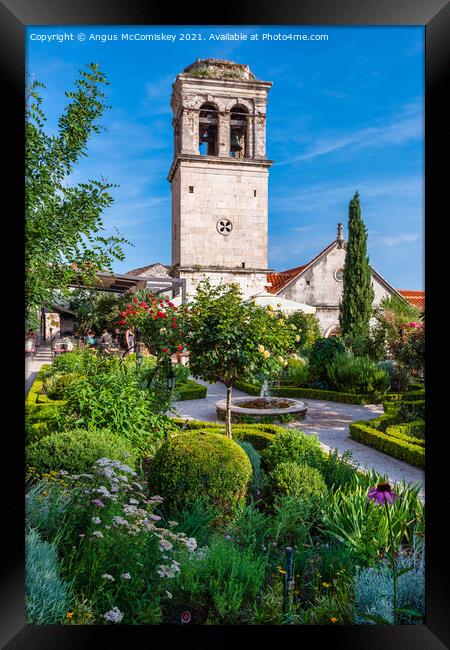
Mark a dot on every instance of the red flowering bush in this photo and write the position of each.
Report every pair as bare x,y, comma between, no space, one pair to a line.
157,321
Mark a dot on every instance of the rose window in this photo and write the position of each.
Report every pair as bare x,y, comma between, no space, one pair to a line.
224,226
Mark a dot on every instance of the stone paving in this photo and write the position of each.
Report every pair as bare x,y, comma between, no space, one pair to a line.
33,364
329,421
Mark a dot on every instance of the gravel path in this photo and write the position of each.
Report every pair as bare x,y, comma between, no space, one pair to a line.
329,421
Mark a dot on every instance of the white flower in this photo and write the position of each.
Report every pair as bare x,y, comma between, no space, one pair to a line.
103,461
126,576
123,478
164,545
169,595
129,510
97,533
108,472
172,524
191,543
120,521
114,615
134,501
103,491
96,520
108,576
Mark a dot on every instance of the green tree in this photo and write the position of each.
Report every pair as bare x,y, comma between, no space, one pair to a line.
229,338
355,309
62,220
308,330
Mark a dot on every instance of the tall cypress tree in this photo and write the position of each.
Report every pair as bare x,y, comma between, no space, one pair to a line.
355,310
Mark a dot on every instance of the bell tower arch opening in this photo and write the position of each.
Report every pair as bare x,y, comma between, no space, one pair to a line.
208,123
239,132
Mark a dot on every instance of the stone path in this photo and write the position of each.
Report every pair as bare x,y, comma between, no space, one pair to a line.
33,365
330,421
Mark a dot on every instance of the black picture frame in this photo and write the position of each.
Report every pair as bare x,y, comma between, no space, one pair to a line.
434,15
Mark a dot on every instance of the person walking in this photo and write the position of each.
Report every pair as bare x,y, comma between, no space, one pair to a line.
129,340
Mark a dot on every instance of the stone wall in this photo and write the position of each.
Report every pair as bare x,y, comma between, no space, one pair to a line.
319,287
250,283
237,193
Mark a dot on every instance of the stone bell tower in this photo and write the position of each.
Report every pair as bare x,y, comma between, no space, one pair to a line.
219,176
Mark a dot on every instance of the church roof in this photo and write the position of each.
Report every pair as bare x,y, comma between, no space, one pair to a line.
280,280
143,269
416,298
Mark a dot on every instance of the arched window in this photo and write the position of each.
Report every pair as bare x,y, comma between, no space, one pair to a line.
239,132
334,330
208,130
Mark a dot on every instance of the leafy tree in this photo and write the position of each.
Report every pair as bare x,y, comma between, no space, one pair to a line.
63,220
308,330
229,339
95,309
355,309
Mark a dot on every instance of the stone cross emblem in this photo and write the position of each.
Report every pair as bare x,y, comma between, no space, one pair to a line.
224,226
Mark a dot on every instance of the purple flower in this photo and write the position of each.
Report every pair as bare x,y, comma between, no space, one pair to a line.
382,493
186,617
98,503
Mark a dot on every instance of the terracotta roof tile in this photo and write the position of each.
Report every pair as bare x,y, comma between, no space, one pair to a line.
416,298
280,280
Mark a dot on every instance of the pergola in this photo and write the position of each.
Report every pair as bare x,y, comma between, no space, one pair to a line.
117,283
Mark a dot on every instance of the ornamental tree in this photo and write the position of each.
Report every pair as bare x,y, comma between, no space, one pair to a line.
230,339
158,322
355,309
63,220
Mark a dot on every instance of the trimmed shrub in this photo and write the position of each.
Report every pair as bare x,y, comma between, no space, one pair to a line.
76,451
258,435
409,410
190,389
310,393
47,596
291,479
294,446
194,464
357,375
321,356
394,446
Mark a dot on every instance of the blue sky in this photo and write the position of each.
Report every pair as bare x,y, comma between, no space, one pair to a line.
343,115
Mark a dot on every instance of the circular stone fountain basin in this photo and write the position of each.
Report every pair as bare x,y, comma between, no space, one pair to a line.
245,409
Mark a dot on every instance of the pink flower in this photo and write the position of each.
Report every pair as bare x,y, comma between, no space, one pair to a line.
98,503
186,617
382,494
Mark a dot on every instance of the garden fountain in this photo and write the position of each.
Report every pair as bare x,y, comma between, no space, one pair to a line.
265,408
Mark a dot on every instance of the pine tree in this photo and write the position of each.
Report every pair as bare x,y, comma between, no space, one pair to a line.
355,310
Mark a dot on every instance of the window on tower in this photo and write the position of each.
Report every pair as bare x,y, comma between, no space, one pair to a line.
208,130
239,132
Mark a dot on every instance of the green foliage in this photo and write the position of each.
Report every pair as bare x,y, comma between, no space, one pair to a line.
196,519
228,338
300,481
411,410
310,393
56,385
193,464
94,310
48,597
398,374
293,520
190,389
355,309
351,518
218,587
255,459
77,450
321,356
357,375
403,449
339,469
307,329
259,435
372,344
296,372
293,446
115,396
63,221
